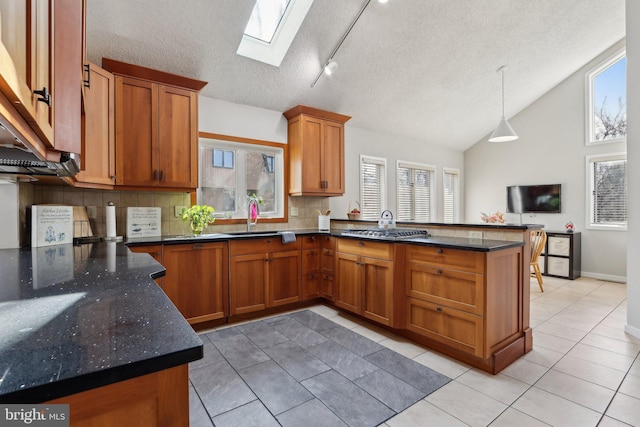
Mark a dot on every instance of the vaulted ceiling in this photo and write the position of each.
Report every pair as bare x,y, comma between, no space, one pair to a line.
424,69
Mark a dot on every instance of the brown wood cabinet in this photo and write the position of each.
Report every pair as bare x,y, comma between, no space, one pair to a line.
316,152
463,299
98,131
263,273
327,281
157,399
311,266
156,120
365,277
41,71
197,280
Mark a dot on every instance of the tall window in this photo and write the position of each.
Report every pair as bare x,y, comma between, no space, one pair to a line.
451,195
416,192
373,185
607,101
608,191
230,171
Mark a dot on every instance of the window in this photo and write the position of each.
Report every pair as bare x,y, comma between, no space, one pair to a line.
607,175
373,185
451,195
271,29
416,192
231,170
607,101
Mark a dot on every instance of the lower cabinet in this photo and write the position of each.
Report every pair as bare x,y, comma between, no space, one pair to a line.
365,284
263,273
196,280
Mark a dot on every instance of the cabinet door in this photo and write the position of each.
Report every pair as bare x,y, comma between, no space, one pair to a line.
136,132
196,280
98,139
247,287
68,75
378,290
349,282
44,63
284,278
327,286
311,260
312,155
311,285
178,138
332,157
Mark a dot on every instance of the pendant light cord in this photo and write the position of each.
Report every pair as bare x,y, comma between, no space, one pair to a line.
501,69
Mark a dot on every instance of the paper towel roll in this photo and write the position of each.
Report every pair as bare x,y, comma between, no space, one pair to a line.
111,220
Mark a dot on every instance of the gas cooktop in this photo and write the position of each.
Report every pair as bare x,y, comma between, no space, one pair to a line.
386,233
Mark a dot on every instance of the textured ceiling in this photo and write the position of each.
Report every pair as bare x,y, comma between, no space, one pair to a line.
425,69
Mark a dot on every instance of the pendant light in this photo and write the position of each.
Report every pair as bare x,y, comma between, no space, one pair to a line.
504,132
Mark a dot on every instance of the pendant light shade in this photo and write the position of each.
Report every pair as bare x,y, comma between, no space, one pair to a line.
504,132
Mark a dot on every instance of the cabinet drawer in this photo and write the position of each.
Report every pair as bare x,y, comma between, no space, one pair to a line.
309,242
449,258
559,246
328,242
328,260
255,246
452,288
455,328
558,266
311,260
365,248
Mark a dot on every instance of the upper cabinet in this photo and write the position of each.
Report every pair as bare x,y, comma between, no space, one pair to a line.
98,165
41,71
316,152
156,122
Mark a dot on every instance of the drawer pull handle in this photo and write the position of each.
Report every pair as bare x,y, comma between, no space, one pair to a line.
438,309
360,243
313,252
268,240
439,251
313,238
198,246
438,271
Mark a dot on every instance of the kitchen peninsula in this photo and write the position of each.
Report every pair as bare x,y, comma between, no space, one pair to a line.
87,325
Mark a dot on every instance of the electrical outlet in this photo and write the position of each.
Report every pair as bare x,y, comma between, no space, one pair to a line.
178,211
294,211
475,234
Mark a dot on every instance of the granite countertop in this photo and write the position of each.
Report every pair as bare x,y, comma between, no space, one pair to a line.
479,245
212,237
78,317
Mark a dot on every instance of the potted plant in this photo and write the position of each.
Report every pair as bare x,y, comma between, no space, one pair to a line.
199,216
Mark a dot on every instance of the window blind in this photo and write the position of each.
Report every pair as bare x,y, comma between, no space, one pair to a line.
372,186
415,192
609,192
451,195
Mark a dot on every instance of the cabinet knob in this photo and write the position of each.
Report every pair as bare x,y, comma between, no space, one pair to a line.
44,96
313,252
438,271
268,240
155,174
440,251
438,309
162,175
313,238
360,243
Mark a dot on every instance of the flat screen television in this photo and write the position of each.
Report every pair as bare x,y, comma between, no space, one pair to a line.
533,198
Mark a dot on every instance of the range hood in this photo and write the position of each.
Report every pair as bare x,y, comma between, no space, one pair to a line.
16,159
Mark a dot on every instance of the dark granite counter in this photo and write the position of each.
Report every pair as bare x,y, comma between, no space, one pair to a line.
479,245
78,317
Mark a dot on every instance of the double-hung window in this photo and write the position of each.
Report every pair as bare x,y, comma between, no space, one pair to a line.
607,203
415,192
607,101
231,170
451,195
373,183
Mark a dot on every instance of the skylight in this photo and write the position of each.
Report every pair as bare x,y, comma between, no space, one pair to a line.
265,19
271,29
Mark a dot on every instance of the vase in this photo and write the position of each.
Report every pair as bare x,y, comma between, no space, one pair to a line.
197,228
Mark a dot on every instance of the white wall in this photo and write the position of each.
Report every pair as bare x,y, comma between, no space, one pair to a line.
551,150
221,117
633,173
9,216
392,147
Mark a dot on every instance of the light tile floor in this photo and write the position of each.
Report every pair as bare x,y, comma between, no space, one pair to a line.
584,370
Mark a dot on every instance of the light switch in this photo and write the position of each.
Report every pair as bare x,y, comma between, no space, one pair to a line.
294,211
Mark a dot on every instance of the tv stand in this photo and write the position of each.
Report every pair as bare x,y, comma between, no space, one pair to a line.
562,254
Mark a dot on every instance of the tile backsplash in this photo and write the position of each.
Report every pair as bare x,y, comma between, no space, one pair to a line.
97,200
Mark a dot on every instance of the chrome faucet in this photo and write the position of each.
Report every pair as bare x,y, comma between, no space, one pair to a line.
253,204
